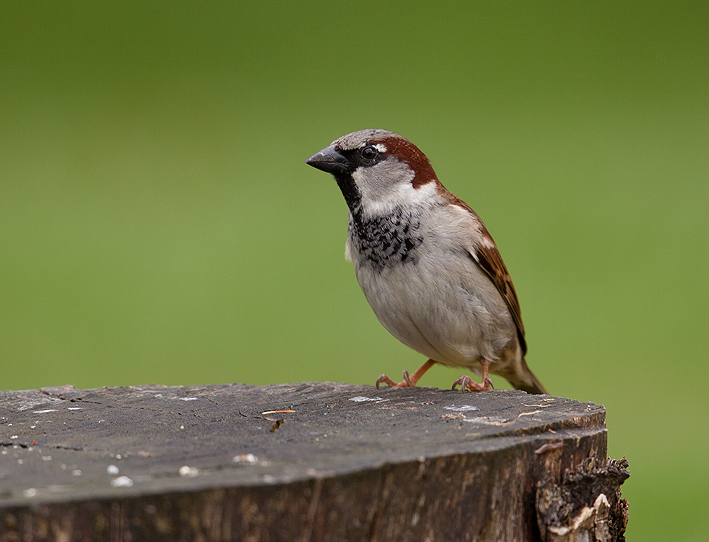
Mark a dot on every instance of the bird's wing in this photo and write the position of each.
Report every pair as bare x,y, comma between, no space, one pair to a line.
489,260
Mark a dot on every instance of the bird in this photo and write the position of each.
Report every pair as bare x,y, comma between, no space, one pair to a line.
426,263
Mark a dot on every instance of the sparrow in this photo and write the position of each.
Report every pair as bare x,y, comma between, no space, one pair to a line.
426,262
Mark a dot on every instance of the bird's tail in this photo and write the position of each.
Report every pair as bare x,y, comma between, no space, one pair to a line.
523,379
530,384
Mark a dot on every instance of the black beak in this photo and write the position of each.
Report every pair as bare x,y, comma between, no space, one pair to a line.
329,160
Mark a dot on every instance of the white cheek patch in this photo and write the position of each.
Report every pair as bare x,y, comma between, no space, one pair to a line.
380,147
425,194
382,202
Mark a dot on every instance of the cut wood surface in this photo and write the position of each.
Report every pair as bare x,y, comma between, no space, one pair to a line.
305,461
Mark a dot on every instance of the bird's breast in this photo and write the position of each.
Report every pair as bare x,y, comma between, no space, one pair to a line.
426,289
384,241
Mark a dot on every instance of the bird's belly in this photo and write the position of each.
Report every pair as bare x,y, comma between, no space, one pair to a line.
454,322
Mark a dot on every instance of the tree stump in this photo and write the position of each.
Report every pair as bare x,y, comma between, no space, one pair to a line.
302,462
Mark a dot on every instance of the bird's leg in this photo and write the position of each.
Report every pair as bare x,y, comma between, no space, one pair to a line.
466,382
409,380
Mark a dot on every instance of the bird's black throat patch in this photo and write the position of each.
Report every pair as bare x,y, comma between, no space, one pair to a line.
385,240
349,190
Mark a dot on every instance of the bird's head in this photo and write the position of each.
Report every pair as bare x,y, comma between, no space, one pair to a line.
377,171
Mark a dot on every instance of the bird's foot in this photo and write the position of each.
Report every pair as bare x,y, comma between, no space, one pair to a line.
466,382
406,383
409,380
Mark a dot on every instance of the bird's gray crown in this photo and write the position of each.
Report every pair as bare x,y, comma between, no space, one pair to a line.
356,140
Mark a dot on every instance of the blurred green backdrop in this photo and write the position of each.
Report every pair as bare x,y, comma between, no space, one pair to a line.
158,224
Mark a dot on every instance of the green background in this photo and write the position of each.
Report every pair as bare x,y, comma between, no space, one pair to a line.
158,224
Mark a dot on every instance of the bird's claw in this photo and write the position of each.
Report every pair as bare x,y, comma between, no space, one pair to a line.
406,383
388,381
466,382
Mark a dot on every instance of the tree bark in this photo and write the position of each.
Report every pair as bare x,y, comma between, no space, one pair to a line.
303,462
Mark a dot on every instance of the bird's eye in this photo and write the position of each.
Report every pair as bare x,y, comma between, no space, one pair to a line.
369,152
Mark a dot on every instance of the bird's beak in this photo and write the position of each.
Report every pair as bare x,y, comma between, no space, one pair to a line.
329,160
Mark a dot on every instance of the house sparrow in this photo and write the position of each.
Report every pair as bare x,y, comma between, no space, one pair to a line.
426,262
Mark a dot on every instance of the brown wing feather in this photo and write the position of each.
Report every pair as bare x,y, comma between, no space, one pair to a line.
490,261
